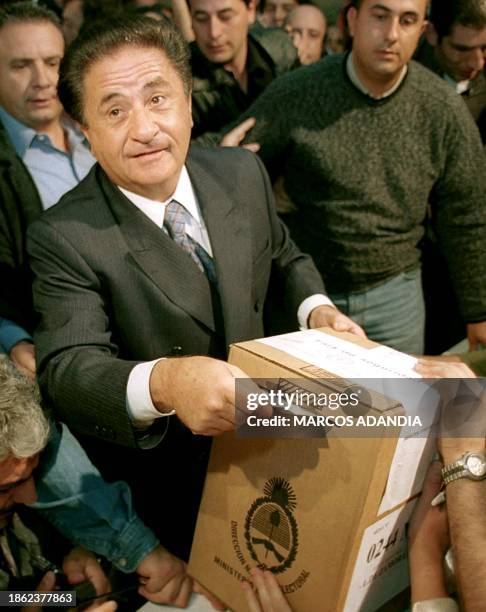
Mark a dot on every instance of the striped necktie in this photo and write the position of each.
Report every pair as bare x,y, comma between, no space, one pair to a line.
175,219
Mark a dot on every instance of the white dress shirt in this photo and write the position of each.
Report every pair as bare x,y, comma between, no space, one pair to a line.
139,401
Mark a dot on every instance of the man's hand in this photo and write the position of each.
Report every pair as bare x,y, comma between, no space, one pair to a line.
436,368
428,541
23,356
462,426
81,565
164,579
267,595
328,316
476,334
108,606
48,583
234,137
201,390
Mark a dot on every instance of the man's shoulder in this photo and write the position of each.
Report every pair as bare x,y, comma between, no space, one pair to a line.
85,201
236,174
432,90
324,76
276,44
7,153
19,193
223,163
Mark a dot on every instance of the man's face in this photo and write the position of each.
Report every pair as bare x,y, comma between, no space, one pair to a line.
385,35
276,11
16,484
30,54
462,53
137,119
221,28
307,27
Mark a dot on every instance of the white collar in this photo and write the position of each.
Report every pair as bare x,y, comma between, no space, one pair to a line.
184,194
459,86
350,69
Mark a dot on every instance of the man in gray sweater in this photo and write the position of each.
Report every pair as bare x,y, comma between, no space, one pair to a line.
365,142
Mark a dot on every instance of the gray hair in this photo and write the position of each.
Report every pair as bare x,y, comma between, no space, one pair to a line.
24,429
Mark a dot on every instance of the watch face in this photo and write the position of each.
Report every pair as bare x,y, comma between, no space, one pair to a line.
476,465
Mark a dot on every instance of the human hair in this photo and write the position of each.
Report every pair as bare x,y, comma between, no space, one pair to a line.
100,41
356,3
26,12
445,14
23,427
246,2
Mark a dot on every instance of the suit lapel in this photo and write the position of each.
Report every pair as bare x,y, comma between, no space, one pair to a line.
162,261
228,227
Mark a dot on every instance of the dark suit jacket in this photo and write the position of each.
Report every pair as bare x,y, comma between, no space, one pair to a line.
113,290
20,204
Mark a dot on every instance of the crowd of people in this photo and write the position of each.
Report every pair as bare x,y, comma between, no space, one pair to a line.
179,176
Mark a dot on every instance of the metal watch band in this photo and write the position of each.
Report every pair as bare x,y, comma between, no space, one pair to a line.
459,469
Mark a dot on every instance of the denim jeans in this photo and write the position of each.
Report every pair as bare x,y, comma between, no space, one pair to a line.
88,511
392,313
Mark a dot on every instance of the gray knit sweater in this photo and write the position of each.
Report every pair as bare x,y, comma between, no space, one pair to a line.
362,172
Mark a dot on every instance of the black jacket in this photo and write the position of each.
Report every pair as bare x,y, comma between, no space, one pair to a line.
20,205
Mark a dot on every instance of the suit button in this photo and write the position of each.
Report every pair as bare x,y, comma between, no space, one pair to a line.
176,351
97,428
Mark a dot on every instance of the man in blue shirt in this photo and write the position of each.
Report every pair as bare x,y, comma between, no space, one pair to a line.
41,158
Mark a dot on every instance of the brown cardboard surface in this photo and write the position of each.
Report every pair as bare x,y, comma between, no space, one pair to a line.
327,490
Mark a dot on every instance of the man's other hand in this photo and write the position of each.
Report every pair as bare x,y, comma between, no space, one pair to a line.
328,316
435,367
48,583
164,579
23,356
201,390
266,594
235,136
81,565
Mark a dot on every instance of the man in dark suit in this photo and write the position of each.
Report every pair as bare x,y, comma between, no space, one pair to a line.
155,256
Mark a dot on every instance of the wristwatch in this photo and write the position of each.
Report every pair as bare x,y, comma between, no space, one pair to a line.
470,465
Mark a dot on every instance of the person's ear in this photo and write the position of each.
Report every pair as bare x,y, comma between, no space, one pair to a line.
431,34
351,16
251,7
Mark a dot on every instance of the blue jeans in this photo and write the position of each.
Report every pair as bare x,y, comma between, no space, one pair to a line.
88,511
392,313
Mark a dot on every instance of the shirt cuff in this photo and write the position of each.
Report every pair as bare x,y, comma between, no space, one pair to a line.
308,305
11,334
140,407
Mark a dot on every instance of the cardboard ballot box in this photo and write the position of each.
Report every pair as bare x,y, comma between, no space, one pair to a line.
326,514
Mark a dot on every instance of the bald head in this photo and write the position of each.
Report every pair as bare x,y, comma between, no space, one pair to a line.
306,25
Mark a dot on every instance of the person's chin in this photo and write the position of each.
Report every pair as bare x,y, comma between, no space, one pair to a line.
218,56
